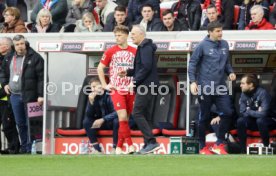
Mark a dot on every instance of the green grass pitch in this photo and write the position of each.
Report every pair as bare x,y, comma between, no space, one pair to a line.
147,165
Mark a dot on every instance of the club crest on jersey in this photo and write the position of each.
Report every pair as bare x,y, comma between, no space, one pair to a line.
118,105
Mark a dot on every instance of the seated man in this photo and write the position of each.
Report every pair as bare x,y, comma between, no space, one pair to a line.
119,17
258,21
103,9
255,110
212,15
148,21
100,114
170,23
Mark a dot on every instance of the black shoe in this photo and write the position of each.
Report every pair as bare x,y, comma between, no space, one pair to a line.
24,152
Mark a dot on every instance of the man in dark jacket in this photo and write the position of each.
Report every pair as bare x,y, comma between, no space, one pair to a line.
212,15
207,68
119,17
256,111
225,9
7,118
135,7
145,79
148,20
188,12
170,23
23,72
100,114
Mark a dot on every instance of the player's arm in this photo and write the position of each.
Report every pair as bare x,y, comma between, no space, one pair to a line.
100,71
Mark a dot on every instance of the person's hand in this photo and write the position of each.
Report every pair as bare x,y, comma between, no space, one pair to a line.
91,97
194,88
122,73
109,87
98,123
90,28
7,89
232,77
215,121
40,100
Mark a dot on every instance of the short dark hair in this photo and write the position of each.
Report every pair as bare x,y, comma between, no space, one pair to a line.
146,5
121,28
213,25
94,79
166,12
251,78
120,9
212,6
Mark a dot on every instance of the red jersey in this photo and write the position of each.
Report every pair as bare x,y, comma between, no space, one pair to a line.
117,60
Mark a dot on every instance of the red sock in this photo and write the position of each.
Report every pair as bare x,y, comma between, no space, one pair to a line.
125,131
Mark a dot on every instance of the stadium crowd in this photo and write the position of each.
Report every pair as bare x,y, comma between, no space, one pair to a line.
104,15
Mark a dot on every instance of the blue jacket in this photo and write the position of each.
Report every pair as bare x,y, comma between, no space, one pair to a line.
145,69
101,108
209,62
251,102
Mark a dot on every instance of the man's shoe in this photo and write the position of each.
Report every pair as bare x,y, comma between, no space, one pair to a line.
150,148
219,149
131,149
118,151
205,151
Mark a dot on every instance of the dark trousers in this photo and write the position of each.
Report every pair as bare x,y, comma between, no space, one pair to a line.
9,126
22,121
140,113
224,107
111,125
263,125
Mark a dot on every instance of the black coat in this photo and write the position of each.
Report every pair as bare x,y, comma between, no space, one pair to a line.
32,76
145,65
51,28
111,23
162,27
154,23
189,14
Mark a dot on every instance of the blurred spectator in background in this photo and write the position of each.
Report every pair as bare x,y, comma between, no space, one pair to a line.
273,16
44,23
21,5
2,8
258,21
212,15
121,2
225,10
58,9
87,24
135,8
188,12
245,17
13,23
147,20
119,17
170,23
265,4
77,9
103,9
